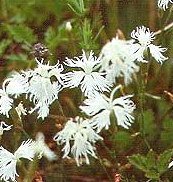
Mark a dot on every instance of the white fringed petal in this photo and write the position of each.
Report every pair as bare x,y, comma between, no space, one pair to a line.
90,81
78,137
101,107
143,39
8,160
163,4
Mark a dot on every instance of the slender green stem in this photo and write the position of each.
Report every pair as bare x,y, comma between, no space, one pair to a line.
141,101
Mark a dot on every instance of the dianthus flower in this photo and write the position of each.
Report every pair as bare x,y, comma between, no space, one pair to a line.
101,107
163,4
117,60
8,160
143,39
78,137
86,77
42,90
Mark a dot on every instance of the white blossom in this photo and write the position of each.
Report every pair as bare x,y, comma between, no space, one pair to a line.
143,39
118,61
86,77
4,127
163,4
78,137
42,149
101,107
8,160
42,90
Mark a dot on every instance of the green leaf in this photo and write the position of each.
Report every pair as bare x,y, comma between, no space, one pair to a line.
152,174
164,160
3,45
77,6
122,140
151,160
167,132
55,37
22,33
149,125
139,161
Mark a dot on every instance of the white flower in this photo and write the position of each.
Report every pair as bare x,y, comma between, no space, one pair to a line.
4,127
101,107
42,149
117,60
80,135
5,101
163,4
42,91
21,110
143,37
17,83
90,81
8,160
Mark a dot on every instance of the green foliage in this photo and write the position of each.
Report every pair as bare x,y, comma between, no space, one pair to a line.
3,46
17,57
167,132
53,37
152,165
77,6
87,40
93,24
21,33
122,141
149,127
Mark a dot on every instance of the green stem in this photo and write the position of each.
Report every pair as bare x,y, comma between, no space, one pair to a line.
141,101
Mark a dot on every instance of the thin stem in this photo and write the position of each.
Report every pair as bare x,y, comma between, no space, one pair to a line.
166,28
104,168
113,92
141,100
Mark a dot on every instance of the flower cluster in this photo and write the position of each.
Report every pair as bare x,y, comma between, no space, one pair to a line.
28,150
95,76
37,86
